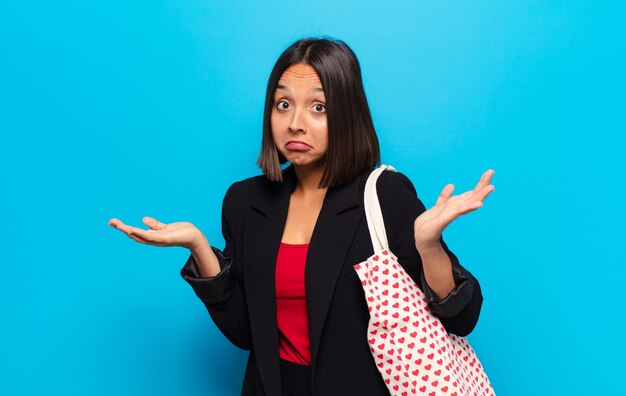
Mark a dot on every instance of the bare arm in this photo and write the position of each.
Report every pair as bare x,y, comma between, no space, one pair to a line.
205,259
437,270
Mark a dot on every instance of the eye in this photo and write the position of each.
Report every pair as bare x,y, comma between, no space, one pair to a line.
282,105
320,108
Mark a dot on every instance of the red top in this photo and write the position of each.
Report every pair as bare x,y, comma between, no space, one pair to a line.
291,313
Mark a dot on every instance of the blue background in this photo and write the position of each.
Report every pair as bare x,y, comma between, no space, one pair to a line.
126,109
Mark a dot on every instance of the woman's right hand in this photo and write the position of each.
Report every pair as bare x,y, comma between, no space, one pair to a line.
160,234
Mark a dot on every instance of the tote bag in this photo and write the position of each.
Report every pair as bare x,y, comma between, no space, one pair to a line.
412,350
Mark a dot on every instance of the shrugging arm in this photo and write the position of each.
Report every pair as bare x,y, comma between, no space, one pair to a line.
223,294
459,310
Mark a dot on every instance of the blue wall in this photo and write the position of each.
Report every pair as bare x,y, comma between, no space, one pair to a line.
126,109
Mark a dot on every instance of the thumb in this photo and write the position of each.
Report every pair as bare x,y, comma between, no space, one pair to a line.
445,194
153,223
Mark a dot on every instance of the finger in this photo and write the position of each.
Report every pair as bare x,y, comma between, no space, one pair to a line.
145,237
114,222
152,236
460,210
138,238
471,207
485,179
486,191
117,224
445,194
144,234
153,223
480,196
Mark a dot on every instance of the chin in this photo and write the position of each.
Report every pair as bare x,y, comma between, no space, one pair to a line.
305,162
300,162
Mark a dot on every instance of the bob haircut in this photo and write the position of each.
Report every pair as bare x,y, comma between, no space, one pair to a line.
352,142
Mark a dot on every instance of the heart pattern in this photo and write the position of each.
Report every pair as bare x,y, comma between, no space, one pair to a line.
412,350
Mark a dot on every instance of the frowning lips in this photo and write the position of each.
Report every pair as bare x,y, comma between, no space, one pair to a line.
297,141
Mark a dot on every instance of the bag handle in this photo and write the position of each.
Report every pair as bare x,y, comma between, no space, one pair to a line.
373,213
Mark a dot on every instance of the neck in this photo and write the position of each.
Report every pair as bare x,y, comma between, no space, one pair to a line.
308,180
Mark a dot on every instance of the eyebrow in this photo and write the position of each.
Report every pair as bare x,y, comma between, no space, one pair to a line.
286,88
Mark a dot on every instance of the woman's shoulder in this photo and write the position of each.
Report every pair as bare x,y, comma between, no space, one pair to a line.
397,197
255,184
392,183
245,190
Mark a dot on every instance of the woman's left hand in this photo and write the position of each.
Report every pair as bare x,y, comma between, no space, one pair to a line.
430,225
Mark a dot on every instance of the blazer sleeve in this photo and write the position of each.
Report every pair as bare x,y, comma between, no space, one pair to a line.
223,294
400,206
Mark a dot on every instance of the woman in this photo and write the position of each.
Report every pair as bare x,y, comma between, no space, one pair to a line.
284,287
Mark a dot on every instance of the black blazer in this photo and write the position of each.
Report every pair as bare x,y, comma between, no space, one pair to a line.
241,299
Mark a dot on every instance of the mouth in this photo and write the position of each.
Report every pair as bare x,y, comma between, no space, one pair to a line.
297,142
296,145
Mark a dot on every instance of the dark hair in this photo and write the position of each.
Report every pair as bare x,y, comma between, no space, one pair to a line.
352,142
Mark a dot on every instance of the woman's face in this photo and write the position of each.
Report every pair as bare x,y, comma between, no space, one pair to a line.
299,127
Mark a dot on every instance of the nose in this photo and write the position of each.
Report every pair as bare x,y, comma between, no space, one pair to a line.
297,123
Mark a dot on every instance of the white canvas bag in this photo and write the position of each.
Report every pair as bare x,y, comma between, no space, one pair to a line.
413,351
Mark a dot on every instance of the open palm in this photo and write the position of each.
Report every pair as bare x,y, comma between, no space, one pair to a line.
430,225
161,234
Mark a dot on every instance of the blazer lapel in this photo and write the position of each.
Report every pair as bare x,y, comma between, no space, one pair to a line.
331,239
264,226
